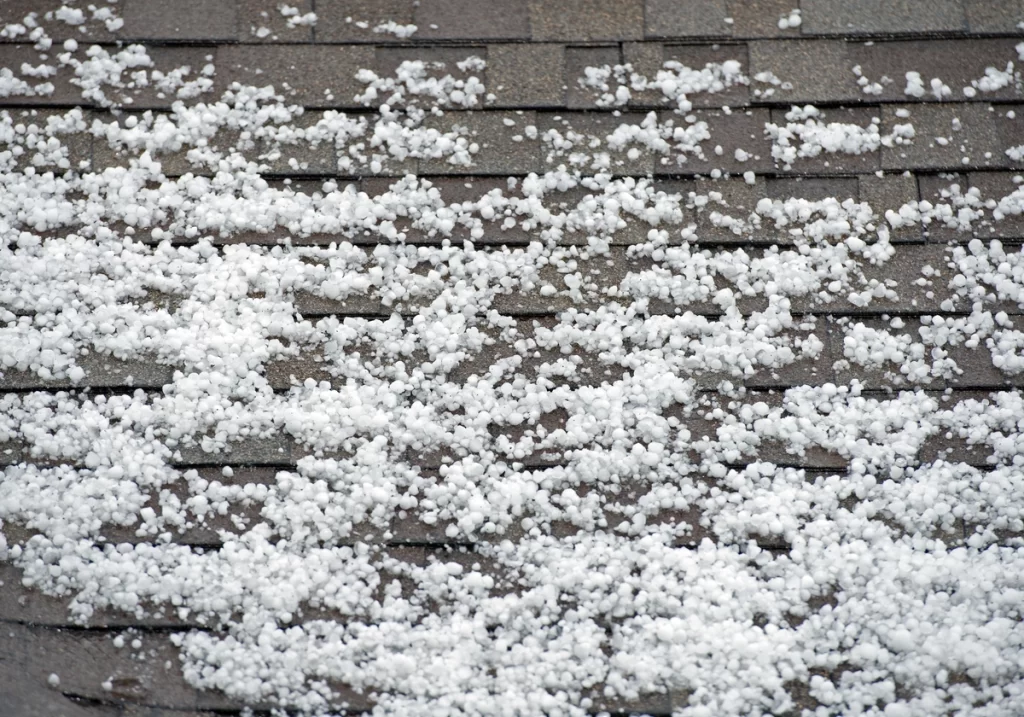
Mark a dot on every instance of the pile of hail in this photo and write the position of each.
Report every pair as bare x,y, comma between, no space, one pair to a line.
526,476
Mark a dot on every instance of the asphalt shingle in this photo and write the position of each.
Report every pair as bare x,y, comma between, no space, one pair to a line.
686,18
41,11
957,63
881,17
813,188
260,22
890,192
180,20
313,75
987,16
760,18
835,162
587,20
697,56
355,20
472,19
526,75
737,143
817,70
1009,121
948,136
499,150
577,59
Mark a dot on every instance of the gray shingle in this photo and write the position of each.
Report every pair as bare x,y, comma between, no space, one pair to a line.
473,19
599,126
737,200
587,20
686,18
809,371
938,188
813,188
15,11
948,136
577,59
873,17
86,659
461,190
740,130
526,75
760,18
105,155
996,185
64,93
646,58
440,61
975,364
1009,121
298,157
166,59
697,56
499,152
901,273
890,192
986,16
354,20
33,122
818,70
320,75
259,21
836,162
180,20
108,372
954,62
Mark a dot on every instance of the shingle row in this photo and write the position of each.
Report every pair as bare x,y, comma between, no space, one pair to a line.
525,20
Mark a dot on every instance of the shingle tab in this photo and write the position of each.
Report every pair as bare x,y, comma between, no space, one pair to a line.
355,20
526,75
760,18
16,11
598,126
813,189
261,22
472,19
587,20
996,185
697,56
890,192
686,18
818,70
885,17
499,151
180,20
956,63
835,162
948,136
440,61
318,76
38,93
1009,120
77,144
737,143
989,16
577,60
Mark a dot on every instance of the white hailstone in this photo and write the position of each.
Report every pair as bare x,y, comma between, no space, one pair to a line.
791,20
53,680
